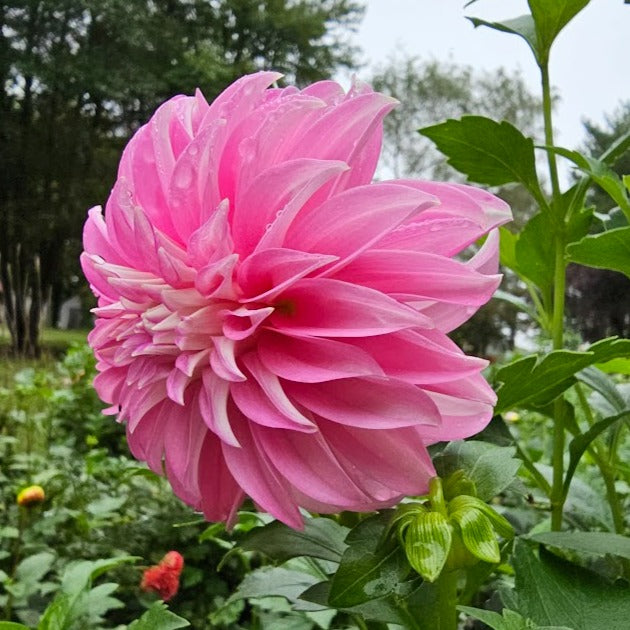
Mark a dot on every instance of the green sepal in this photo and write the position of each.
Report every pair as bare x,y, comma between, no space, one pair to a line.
477,534
427,544
500,524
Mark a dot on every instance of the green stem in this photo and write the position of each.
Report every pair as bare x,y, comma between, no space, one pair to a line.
442,613
557,494
557,319
551,156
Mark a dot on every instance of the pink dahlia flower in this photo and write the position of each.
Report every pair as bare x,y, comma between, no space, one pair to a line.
270,323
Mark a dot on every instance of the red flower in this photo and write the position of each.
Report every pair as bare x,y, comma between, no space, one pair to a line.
163,578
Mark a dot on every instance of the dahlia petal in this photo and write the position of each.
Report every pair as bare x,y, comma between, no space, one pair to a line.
486,260
418,357
255,405
344,130
146,441
254,472
314,360
368,402
426,276
96,239
310,465
280,190
267,273
396,460
213,400
331,308
243,322
271,386
223,359
212,241
193,191
352,221
220,494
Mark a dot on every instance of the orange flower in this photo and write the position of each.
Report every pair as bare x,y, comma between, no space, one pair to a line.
31,496
163,578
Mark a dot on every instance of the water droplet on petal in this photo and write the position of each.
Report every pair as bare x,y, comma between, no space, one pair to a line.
183,176
193,149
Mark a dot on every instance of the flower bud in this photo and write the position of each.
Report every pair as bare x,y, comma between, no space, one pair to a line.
451,530
32,495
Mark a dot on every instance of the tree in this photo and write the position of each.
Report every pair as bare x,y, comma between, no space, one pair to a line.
79,76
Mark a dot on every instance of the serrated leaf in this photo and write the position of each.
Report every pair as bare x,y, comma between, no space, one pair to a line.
555,592
478,535
321,538
370,568
537,381
487,152
159,617
427,544
608,250
33,568
490,467
598,543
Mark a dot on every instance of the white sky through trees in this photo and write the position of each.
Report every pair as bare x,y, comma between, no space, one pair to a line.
590,61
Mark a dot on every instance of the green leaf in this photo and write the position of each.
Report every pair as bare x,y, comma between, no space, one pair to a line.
613,401
79,575
370,568
601,174
554,592
492,468
540,29
9,625
273,582
33,568
579,444
615,366
510,620
599,543
537,381
551,16
159,617
523,26
487,152
478,535
427,544
608,250
532,251
321,538
382,610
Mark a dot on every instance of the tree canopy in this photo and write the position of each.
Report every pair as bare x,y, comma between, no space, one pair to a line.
79,76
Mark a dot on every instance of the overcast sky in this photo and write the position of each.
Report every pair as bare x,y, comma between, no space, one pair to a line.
590,60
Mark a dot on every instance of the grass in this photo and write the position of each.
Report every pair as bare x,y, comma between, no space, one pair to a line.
54,344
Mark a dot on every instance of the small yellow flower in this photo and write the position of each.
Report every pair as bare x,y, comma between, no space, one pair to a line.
31,496
512,416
